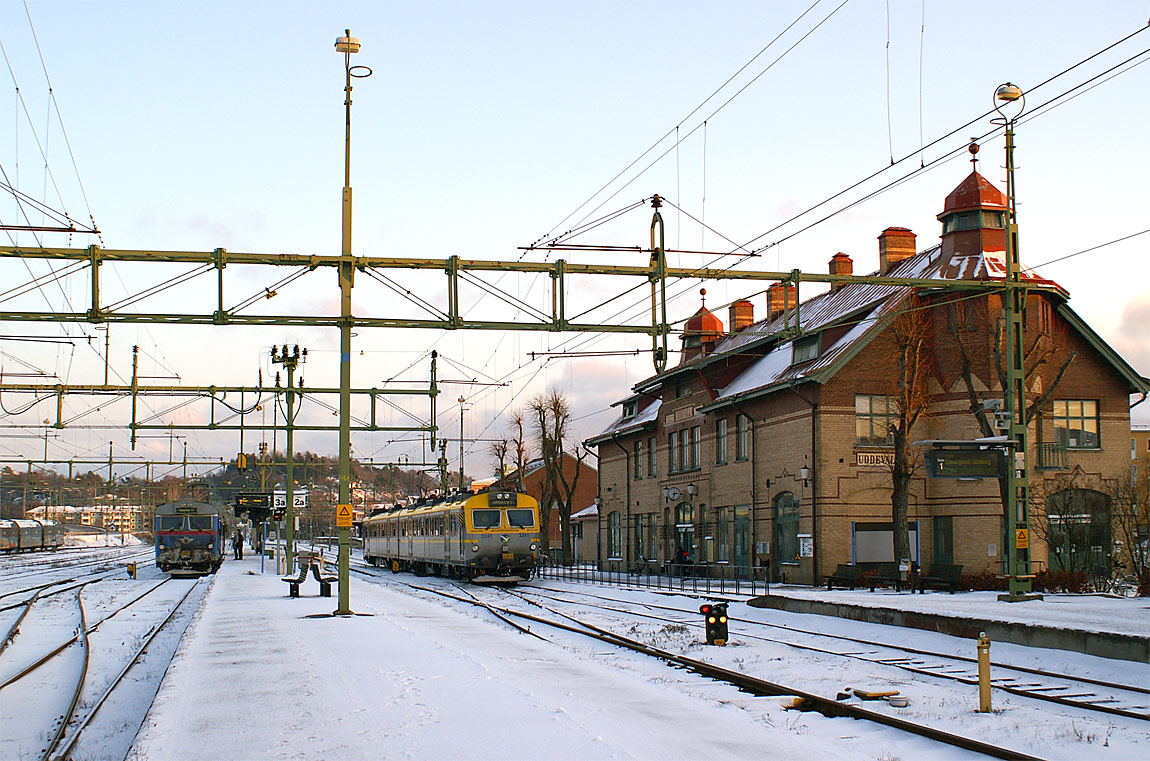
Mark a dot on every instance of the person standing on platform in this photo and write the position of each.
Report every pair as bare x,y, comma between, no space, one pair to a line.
238,544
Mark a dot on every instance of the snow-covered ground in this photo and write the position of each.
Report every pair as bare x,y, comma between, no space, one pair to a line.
414,676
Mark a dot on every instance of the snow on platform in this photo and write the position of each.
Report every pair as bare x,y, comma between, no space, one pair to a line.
419,679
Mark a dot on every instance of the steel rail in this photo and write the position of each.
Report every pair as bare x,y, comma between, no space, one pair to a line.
132,662
15,627
826,706
913,668
873,643
62,724
44,659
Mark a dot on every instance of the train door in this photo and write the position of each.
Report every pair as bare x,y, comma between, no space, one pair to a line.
445,529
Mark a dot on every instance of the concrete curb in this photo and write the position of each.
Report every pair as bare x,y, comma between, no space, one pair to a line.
1102,644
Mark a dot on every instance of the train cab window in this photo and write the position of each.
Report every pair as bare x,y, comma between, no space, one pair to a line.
485,518
521,518
200,522
169,522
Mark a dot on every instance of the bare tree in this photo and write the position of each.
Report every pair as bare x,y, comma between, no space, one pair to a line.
551,418
1130,505
968,323
518,427
499,449
910,333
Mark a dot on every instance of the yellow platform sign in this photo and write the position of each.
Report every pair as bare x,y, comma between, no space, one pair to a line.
1022,539
343,516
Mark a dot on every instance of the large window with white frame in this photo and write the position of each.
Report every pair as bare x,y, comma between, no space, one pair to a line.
721,441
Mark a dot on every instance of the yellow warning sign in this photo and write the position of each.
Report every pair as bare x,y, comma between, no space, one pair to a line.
343,516
1022,539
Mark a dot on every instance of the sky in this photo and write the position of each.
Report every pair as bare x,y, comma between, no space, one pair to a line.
487,126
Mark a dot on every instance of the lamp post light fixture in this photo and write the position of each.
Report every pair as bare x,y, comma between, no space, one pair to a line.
805,474
692,489
1016,509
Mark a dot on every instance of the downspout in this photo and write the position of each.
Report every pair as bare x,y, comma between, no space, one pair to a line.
814,486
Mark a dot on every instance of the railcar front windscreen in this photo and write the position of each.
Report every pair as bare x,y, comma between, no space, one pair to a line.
521,518
485,518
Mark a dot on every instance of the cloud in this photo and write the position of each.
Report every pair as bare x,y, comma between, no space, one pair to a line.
1130,337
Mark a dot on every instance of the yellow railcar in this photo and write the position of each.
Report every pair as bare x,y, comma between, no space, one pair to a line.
490,537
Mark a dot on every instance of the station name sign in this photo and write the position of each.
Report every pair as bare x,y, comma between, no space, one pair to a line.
874,459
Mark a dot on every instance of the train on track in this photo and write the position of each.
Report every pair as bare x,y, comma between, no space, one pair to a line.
190,537
21,535
490,537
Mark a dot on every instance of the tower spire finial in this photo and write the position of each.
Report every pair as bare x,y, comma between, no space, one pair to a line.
973,148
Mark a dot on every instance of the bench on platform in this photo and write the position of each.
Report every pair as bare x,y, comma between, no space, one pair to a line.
941,575
845,575
886,574
293,591
313,563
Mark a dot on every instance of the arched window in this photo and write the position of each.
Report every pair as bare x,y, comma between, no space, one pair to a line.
787,528
614,535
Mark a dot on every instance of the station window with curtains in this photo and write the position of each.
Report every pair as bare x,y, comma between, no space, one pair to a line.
1076,423
874,416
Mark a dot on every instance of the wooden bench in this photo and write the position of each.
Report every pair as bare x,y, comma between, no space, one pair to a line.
941,575
323,579
315,565
886,574
293,591
846,575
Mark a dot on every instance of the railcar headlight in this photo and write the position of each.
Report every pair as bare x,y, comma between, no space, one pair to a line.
533,546
475,548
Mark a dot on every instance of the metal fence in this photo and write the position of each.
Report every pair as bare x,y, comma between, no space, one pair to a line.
721,578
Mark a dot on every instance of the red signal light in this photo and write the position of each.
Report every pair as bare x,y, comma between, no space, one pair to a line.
705,609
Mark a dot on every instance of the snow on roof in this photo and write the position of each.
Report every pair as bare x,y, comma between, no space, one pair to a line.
585,514
621,424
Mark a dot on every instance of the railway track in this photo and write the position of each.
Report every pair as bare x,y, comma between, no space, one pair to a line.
69,564
745,682
1085,693
60,689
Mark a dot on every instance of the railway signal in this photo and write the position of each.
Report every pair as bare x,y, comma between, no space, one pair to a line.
715,622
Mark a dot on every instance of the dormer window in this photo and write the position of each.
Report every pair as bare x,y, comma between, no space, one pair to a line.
630,409
805,349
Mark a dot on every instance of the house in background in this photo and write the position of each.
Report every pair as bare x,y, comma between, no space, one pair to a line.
769,444
586,489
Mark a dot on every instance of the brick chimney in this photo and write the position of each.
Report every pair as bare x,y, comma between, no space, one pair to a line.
895,244
841,264
779,298
742,314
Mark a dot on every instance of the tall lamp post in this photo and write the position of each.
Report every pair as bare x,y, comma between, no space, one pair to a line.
290,360
346,45
1017,473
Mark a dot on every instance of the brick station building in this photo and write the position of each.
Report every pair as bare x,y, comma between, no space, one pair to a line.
770,445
